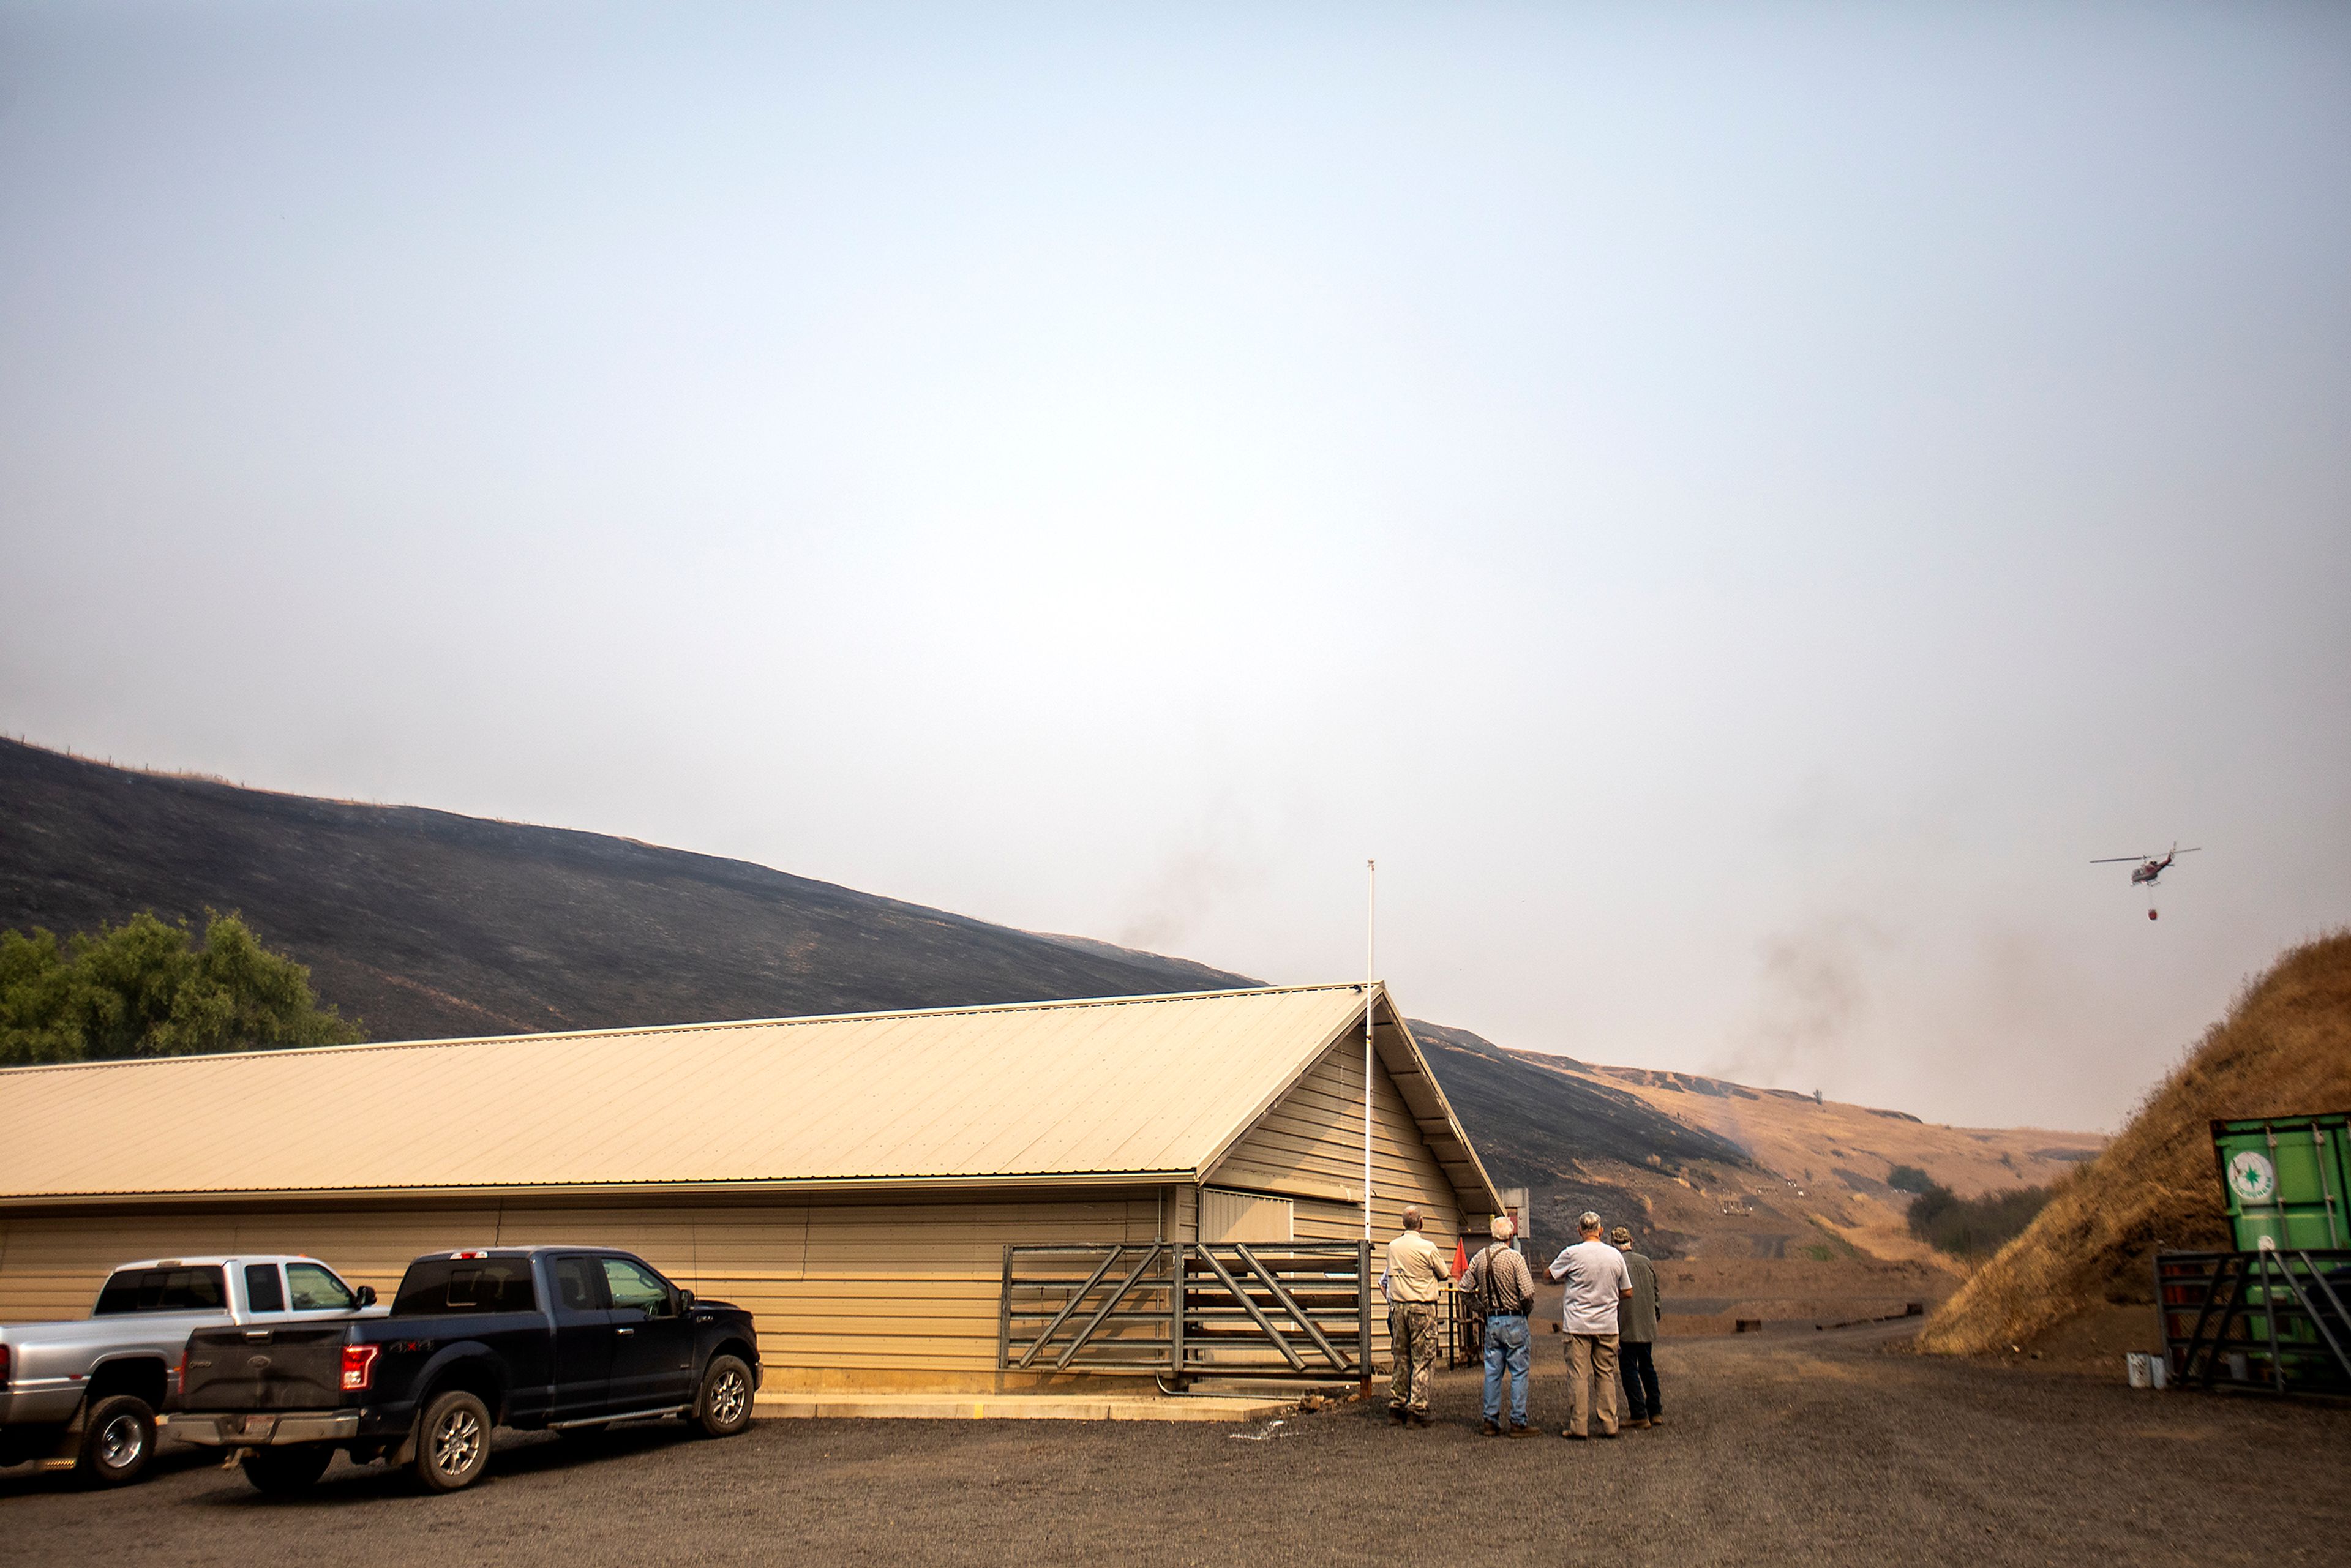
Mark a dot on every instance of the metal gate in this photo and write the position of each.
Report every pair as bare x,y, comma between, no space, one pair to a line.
2273,1319
1181,1309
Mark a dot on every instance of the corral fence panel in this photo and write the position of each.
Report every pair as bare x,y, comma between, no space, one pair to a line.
2274,1318
1182,1310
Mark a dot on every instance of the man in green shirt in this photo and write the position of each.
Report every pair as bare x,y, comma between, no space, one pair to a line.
1637,1328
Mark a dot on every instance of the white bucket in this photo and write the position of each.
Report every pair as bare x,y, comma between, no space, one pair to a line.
2134,1367
2159,1371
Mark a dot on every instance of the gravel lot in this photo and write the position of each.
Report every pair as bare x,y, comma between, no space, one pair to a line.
1814,1448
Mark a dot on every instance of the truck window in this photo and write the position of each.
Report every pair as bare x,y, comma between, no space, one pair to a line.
263,1293
579,1285
635,1288
163,1291
316,1289
446,1285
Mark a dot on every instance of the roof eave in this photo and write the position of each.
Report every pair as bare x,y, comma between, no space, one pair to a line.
782,1186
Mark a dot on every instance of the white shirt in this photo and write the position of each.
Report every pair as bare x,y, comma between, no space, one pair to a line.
1596,1280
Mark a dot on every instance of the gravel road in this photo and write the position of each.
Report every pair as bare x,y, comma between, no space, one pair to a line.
1832,1448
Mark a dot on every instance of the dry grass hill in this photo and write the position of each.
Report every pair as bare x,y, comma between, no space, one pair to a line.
2284,1048
1802,1227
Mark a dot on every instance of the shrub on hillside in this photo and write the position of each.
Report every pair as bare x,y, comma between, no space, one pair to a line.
1909,1178
2284,1048
143,988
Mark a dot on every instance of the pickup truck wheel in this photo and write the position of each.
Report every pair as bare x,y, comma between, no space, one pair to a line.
117,1441
724,1407
282,1472
453,1442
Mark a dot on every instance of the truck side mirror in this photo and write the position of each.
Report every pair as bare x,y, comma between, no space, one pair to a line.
686,1300
366,1297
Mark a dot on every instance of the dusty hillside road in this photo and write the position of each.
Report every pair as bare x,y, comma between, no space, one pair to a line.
1818,1448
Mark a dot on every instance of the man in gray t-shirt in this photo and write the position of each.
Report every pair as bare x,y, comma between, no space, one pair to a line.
1598,1283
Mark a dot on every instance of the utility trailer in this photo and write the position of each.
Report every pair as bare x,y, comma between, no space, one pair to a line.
2274,1314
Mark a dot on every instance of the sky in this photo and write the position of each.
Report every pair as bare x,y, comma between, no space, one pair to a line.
1733,506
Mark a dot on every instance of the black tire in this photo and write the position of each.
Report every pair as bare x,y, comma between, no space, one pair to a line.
283,1472
724,1406
117,1442
453,1441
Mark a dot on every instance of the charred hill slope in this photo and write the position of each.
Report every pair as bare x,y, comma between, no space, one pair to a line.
1522,1115
424,923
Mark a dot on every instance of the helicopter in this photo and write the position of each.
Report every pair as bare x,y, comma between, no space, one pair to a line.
2149,867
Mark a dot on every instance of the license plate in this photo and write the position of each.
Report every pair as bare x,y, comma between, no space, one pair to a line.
257,1427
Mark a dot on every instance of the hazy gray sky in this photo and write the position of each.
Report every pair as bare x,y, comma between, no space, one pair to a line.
1733,506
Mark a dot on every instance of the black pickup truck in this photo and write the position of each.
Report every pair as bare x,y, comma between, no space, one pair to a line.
568,1338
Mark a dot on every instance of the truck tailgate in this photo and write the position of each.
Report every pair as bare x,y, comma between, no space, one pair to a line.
294,1368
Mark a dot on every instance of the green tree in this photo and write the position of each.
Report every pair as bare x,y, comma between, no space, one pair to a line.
1974,1226
145,988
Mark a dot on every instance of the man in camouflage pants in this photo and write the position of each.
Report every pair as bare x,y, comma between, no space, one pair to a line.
1417,1273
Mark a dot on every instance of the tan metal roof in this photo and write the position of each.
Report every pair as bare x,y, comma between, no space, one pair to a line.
1083,1090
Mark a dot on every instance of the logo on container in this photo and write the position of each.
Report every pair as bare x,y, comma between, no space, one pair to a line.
2252,1176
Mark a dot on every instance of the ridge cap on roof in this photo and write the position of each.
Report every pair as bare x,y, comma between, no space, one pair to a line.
279,1053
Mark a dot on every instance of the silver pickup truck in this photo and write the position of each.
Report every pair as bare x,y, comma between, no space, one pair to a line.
84,1396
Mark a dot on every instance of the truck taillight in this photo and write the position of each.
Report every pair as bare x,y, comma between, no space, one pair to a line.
358,1366
4,1365
180,1374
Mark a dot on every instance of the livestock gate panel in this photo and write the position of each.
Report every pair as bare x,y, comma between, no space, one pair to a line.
2278,1319
1180,1309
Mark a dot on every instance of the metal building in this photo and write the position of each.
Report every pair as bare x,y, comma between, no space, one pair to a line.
947,1199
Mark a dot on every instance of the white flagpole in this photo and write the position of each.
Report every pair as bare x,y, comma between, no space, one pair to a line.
1371,981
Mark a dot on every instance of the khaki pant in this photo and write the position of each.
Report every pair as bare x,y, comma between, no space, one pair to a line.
1412,1340
1591,1358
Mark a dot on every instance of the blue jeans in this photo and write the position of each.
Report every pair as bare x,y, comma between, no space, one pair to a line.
1507,1340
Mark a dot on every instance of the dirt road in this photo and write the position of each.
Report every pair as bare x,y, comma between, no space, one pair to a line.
1811,1448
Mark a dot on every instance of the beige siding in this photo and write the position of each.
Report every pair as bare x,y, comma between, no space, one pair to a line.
1184,1204
52,1265
1246,1217
1311,1146
1311,1142
845,1294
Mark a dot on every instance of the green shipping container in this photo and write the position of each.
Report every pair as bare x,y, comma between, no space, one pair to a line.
2287,1179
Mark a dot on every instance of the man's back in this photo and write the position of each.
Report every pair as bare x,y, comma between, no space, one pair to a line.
1638,1318
1499,1282
1596,1277
1414,1268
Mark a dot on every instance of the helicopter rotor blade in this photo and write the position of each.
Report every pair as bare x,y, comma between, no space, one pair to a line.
2118,860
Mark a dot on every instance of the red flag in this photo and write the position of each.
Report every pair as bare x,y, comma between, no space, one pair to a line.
1460,1257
